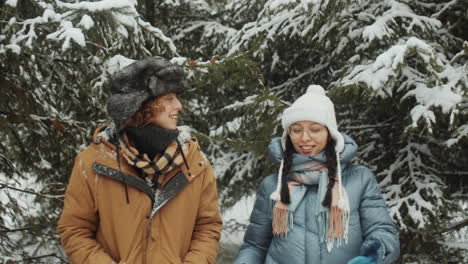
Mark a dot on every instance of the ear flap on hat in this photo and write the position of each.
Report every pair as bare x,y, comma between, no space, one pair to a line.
276,196
283,139
121,107
339,140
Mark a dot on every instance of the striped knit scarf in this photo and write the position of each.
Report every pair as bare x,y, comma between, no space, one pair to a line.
333,221
169,160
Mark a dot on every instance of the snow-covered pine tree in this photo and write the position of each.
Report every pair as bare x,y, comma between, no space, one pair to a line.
232,114
421,78
372,55
228,104
55,59
398,72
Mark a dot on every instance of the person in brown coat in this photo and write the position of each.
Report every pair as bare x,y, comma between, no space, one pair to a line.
143,192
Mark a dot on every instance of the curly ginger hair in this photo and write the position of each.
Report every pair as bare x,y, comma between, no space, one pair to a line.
142,117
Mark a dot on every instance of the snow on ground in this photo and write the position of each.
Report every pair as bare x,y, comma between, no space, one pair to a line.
240,212
231,239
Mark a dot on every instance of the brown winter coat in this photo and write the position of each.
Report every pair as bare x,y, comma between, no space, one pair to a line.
99,225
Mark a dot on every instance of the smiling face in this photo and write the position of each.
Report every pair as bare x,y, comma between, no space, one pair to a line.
308,138
166,111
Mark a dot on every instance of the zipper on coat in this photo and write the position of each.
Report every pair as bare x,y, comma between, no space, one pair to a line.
156,195
149,227
147,239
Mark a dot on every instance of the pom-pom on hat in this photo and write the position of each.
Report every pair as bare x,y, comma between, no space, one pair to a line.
314,106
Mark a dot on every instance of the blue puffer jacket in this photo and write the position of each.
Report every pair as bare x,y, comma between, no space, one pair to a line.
368,218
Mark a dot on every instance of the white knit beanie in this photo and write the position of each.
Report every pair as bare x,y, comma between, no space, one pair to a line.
313,106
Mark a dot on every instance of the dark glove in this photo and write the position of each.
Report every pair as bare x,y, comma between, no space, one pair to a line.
369,252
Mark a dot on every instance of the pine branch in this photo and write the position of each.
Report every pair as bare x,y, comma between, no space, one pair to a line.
43,256
367,126
20,143
453,172
10,163
456,226
54,197
14,230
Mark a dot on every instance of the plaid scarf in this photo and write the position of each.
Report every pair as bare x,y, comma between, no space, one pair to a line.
333,221
164,163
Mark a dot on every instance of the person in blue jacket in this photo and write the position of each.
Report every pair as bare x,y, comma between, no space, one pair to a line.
318,208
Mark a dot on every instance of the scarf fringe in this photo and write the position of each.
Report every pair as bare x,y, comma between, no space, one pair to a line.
338,226
280,219
335,227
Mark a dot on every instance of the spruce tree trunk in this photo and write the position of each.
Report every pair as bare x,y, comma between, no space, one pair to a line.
149,12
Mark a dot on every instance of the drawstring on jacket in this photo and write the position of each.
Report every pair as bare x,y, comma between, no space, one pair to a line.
120,169
183,156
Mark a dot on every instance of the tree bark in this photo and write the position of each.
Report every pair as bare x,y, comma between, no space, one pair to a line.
149,12
456,226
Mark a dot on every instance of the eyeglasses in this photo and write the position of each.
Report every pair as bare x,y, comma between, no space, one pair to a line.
314,131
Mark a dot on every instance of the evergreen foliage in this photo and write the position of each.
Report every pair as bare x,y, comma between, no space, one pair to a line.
397,71
56,58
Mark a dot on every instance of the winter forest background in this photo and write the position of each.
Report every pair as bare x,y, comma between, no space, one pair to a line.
397,71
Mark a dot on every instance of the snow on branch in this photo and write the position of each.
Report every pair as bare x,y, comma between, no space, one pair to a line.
446,6
247,101
71,21
115,63
228,127
416,180
385,66
11,3
124,6
438,85
398,12
209,33
460,133
66,33
278,19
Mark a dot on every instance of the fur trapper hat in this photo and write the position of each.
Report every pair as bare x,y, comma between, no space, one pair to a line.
140,81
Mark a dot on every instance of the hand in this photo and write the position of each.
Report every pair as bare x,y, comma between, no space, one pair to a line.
362,260
370,248
369,251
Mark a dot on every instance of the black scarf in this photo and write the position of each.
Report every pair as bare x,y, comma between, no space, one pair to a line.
151,139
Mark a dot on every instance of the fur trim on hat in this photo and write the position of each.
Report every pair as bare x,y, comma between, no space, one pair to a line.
140,81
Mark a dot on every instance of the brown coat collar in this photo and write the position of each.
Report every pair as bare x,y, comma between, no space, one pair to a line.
195,158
